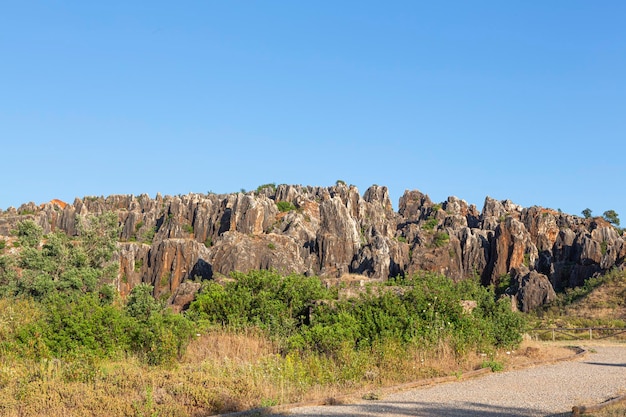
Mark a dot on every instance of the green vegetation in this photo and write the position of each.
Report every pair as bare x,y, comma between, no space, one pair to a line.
292,309
503,283
586,213
148,235
73,309
430,223
138,265
271,186
68,341
28,233
603,247
187,228
571,295
3,244
612,217
495,366
441,239
285,206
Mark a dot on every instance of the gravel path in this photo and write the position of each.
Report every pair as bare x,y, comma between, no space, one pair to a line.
547,390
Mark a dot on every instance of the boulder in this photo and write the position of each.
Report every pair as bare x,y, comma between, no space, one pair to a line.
531,289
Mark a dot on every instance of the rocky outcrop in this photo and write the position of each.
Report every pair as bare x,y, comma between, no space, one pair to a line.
530,289
173,242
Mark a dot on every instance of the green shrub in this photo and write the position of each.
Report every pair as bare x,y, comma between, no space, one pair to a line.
188,228
28,233
262,299
83,324
156,334
271,186
304,316
603,247
148,236
138,265
494,365
430,224
441,239
285,206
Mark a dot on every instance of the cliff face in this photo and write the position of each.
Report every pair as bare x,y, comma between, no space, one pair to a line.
333,231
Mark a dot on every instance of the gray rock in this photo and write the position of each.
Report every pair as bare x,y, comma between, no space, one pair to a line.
167,240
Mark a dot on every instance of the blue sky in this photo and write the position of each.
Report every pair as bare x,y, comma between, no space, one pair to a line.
519,100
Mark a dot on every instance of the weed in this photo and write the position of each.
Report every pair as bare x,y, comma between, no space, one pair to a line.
495,366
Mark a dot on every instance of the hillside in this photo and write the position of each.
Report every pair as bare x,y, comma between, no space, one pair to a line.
334,231
605,303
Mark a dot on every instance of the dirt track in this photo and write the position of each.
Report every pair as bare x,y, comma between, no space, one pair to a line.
546,390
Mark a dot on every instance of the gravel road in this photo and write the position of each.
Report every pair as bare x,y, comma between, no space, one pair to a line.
546,390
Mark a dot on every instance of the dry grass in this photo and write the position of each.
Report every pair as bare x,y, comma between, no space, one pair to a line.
606,302
531,353
617,409
223,372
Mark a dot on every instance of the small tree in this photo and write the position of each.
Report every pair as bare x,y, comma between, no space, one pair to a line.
586,213
29,233
612,217
141,304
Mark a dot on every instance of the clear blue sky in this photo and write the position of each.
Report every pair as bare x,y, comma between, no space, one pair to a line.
521,100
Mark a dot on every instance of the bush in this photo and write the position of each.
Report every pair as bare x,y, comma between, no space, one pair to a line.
285,206
28,233
271,186
304,316
261,299
430,224
84,324
441,239
148,236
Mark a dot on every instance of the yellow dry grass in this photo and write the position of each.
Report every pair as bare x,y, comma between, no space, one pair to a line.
221,372
606,302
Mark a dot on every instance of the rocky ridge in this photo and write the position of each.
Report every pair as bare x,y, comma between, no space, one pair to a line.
172,241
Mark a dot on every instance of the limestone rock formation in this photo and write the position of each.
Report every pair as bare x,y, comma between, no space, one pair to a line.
172,242
531,289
